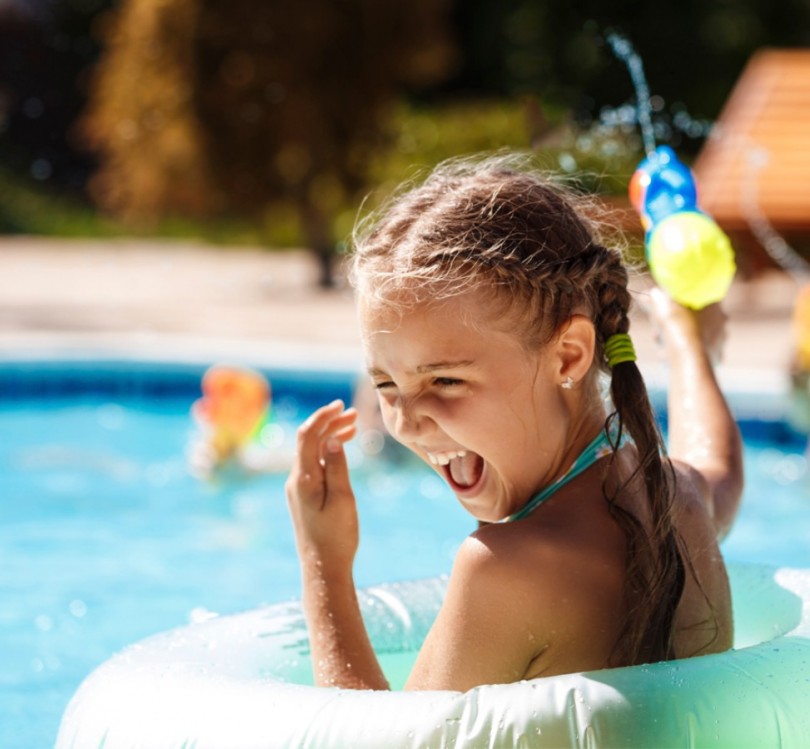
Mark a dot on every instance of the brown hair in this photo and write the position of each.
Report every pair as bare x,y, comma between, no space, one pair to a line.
493,224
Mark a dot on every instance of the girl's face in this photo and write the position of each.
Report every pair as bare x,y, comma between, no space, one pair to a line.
469,398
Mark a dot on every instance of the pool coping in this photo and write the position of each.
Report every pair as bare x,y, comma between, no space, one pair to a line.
181,350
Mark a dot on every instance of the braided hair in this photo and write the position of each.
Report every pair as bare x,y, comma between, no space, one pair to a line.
493,225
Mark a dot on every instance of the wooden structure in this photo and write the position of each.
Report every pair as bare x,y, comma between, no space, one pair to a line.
753,173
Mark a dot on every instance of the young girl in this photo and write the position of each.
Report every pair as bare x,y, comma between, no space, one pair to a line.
490,316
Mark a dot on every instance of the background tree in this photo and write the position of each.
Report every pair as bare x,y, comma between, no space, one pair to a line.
271,111
234,106
141,119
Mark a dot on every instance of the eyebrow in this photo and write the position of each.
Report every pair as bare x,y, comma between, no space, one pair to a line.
434,367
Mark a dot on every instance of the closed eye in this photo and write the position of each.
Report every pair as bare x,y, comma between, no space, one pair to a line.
383,385
447,382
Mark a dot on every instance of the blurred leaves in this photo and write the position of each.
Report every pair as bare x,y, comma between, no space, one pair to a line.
208,107
141,118
267,120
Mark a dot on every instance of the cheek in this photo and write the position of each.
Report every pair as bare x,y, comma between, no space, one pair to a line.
388,415
543,399
519,421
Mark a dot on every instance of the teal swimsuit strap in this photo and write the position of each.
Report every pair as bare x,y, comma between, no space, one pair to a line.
598,448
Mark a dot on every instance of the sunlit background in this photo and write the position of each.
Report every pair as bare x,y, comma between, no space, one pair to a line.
263,123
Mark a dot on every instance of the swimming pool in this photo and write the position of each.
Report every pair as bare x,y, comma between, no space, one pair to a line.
106,538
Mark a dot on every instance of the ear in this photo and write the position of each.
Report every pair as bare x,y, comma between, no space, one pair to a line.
574,348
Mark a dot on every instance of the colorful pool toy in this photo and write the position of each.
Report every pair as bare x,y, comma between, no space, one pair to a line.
241,682
688,254
234,407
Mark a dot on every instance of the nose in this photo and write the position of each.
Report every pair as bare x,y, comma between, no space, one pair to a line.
408,418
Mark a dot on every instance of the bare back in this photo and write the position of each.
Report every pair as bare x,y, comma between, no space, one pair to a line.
704,621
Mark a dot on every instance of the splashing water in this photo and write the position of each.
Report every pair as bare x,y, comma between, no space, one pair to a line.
607,138
624,51
774,244
646,104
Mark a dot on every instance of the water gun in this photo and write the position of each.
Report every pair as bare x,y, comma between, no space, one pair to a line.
234,407
688,254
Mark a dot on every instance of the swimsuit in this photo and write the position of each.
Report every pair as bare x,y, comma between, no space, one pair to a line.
598,448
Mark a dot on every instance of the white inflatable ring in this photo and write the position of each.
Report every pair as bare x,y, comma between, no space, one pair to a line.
235,682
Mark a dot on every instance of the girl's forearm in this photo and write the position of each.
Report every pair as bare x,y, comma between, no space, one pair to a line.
702,430
342,655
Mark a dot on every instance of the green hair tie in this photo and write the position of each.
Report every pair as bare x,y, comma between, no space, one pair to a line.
618,349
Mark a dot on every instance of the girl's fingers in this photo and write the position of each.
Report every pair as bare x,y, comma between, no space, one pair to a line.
341,433
310,433
345,434
337,470
347,419
326,423
343,428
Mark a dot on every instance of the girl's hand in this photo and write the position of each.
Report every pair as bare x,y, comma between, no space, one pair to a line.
319,493
683,329
324,515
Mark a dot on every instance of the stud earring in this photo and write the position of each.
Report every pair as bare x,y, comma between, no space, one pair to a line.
567,383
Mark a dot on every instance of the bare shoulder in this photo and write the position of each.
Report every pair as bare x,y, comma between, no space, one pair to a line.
501,565
485,632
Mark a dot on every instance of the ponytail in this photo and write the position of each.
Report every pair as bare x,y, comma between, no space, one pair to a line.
655,569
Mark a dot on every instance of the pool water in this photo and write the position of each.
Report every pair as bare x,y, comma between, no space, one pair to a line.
106,537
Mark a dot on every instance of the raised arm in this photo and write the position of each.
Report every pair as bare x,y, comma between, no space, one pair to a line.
324,514
702,432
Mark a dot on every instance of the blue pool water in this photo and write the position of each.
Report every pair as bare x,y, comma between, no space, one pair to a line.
106,538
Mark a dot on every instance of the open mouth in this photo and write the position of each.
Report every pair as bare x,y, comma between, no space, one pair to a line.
464,471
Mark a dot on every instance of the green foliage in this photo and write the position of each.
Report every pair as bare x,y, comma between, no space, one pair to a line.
215,107
267,122
425,135
419,136
601,160
29,208
693,51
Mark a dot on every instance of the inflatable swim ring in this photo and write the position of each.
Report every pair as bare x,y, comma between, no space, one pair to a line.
240,681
